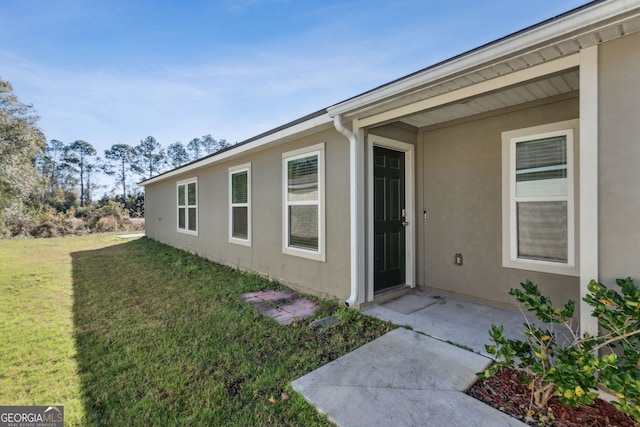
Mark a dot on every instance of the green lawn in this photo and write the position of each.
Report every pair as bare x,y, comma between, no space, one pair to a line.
137,333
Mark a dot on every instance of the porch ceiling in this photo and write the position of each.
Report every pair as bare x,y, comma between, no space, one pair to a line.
558,84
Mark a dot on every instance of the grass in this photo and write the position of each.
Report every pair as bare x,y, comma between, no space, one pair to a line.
37,355
138,333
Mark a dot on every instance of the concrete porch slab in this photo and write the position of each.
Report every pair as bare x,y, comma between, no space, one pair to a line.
450,319
405,379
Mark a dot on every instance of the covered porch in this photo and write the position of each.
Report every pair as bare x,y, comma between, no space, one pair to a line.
449,121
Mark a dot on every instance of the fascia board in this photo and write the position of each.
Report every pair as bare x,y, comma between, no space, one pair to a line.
552,31
284,134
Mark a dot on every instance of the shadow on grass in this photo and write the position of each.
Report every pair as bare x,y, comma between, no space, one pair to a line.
163,339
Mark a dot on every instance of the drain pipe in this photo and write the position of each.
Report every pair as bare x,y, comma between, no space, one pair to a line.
353,204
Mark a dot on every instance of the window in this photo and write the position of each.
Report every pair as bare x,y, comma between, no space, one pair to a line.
539,200
188,206
240,204
303,216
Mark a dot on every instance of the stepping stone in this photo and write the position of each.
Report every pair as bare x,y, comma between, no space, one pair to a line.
284,307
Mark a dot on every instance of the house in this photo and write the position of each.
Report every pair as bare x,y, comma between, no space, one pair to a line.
516,160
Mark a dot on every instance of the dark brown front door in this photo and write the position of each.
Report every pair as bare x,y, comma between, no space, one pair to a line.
389,226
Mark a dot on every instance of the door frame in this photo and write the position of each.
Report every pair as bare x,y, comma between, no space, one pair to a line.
409,190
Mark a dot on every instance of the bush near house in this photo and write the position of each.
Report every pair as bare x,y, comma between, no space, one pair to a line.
573,371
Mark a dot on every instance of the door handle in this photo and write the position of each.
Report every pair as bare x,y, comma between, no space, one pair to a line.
403,213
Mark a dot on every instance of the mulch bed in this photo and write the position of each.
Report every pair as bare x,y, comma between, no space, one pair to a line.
505,391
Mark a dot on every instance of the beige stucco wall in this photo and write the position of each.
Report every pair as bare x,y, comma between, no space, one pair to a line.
397,131
619,159
458,182
459,185
330,278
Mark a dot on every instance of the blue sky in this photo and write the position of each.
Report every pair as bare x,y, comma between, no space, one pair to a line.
116,71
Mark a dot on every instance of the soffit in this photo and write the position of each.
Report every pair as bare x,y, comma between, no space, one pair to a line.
535,90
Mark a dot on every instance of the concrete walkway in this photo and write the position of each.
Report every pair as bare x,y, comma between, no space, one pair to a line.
406,378
131,236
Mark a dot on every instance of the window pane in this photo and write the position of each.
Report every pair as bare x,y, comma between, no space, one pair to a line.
542,231
193,219
192,193
541,167
541,188
239,187
181,218
302,182
303,227
181,195
541,152
240,228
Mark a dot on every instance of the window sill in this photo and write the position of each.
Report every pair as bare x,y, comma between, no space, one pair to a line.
542,267
316,256
192,233
240,242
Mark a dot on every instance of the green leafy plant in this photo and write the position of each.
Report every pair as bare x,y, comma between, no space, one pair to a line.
571,366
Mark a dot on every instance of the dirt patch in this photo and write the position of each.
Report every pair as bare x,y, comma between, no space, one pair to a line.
507,392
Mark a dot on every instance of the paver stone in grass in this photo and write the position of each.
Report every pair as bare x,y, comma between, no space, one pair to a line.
282,306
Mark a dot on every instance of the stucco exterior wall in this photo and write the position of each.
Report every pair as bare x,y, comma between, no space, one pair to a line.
458,170
460,187
330,278
400,132
619,159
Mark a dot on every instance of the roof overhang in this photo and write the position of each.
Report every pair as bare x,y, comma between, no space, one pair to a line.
318,122
552,46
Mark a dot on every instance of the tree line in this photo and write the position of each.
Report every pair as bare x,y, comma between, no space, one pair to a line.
69,169
56,175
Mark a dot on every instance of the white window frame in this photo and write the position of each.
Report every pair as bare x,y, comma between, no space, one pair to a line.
510,259
319,254
185,183
246,167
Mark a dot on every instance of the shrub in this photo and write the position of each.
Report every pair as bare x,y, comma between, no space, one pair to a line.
47,229
39,220
32,221
137,224
108,217
16,222
574,370
47,222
